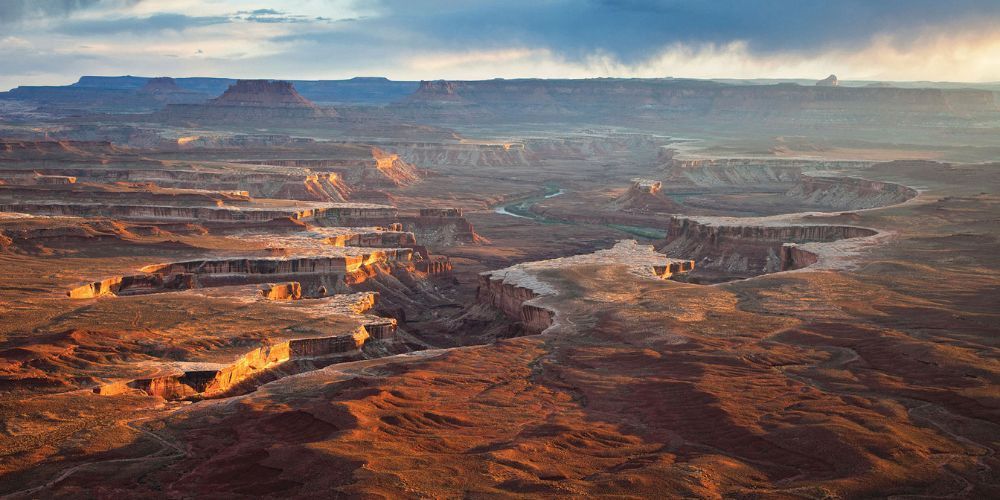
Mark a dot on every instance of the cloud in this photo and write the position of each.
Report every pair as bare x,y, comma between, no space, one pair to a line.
631,30
955,57
154,23
15,11
429,39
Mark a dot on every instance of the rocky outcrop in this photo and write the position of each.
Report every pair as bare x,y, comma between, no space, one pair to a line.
19,150
513,300
440,230
462,155
249,100
536,98
262,93
434,265
516,290
207,381
343,264
328,186
375,239
353,213
269,361
714,172
32,178
381,169
830,81
790,177
644,196
163,84
440,212
849,193
795,257
31,234
746,247
282,291
134,285
325,272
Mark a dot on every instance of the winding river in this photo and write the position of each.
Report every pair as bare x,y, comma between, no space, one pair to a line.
522,209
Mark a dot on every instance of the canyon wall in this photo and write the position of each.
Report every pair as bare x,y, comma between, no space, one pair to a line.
849,193
348,213
533,98
511,300
462,154
745,248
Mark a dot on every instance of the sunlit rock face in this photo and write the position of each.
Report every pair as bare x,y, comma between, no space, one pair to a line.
513,290
749,246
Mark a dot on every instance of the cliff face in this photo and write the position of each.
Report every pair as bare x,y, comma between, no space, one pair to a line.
249,370
747,250
70,150
282,291
790,177
781,108
440,230
381,169
347,213
277,265
321,186
465,155
515,291
249,100
703,96
262,93
511,299
849,193
722,172
645,195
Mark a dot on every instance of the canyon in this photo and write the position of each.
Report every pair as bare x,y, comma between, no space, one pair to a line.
601,287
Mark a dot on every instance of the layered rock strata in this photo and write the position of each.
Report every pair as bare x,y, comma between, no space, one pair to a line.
746,246
515,290
267,362
348,213
849,192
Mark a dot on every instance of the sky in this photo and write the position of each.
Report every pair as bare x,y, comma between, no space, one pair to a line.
54,42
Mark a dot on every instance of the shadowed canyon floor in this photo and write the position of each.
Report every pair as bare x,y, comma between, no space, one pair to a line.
477,312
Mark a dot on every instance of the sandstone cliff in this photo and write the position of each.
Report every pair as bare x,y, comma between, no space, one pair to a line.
276,101
516,290
747,247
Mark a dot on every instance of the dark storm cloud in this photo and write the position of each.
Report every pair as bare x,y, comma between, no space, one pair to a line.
632,29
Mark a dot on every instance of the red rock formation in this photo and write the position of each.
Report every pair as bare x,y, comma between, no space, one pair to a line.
283,291
434,230
262,93
794,257
250,100
849,193
511,300
133,285
355,214
645,196
746,249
